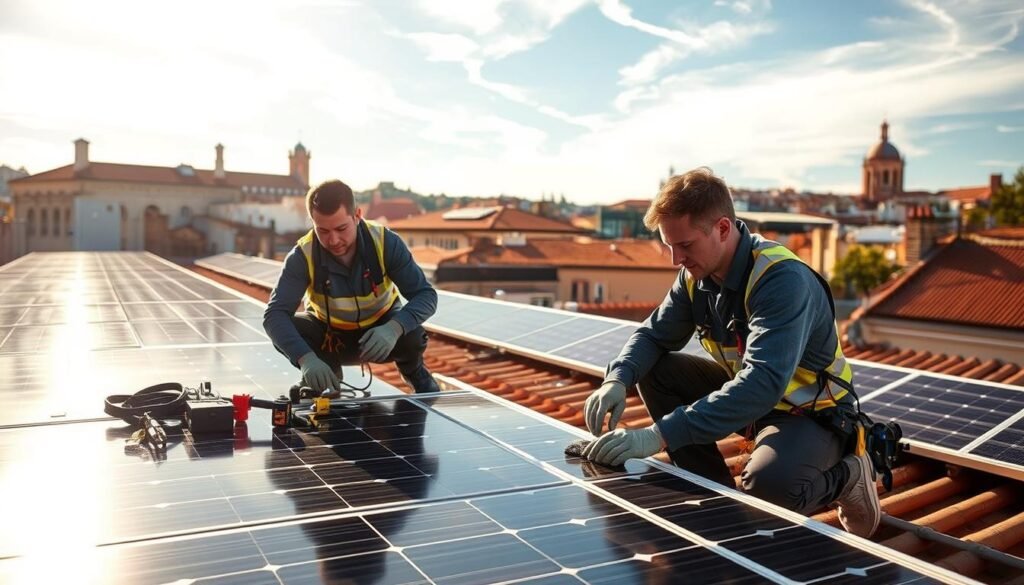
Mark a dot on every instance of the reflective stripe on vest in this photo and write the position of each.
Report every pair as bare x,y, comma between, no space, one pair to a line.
802,388
351,312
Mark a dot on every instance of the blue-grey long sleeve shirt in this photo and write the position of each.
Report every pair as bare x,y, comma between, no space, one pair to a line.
791,323
420,296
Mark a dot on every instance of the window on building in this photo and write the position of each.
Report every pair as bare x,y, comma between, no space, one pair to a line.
599,292
885,177
185,212
67,221
580,292
44,223
56,222
30,219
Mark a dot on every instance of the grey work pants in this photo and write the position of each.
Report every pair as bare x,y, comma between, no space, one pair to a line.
796,462
407,353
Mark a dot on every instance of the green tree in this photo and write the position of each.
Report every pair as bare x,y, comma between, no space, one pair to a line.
862,269
1008,202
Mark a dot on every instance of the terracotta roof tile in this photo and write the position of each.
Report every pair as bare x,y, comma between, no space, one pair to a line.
620,254
504,219
100,171
433,255
991,370
392,209
961,284
968,193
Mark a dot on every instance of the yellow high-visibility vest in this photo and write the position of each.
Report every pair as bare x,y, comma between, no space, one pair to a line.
354,312
803,389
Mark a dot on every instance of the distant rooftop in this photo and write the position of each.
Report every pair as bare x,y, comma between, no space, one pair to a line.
179,175
498,219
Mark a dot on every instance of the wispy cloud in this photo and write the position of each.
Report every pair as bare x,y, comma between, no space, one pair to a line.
948,128
1009,129
488,21
680,43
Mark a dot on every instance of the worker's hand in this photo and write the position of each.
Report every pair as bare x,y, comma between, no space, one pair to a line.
610,397
614,448
318,374
376,344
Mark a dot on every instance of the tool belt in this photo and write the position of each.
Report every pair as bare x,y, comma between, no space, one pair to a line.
859,435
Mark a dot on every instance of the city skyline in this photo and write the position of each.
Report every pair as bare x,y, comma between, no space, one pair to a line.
594,100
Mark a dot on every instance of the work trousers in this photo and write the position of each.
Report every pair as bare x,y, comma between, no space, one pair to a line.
795,463
341,348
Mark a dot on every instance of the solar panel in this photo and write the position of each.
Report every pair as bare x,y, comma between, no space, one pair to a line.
869,379
698,510
1006,445
945,412
255,511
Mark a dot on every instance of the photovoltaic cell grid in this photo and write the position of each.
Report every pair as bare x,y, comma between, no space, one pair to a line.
116,300
76,327
398,490
944,412
1007,445
589,343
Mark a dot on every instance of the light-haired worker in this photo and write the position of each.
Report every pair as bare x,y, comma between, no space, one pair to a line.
776,372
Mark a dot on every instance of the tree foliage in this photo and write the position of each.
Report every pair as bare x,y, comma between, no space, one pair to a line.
1008,202
862,269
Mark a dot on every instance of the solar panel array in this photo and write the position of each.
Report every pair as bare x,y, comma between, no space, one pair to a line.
453,488
966,421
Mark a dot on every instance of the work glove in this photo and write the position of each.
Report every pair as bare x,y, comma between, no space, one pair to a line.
317,374
610,397
614,448
376,344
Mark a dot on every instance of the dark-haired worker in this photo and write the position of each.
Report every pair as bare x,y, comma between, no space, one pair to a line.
350,272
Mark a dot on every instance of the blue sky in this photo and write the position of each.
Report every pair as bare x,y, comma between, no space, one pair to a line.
593,99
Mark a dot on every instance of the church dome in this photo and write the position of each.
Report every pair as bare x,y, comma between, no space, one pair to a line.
884,150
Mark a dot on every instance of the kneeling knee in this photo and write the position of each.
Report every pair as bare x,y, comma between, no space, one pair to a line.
777,488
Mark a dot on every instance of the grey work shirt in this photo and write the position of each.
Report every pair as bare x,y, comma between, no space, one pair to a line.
791,323
346,282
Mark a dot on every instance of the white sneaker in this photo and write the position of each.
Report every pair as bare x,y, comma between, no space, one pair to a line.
859,508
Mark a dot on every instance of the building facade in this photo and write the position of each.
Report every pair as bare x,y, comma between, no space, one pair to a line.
90,205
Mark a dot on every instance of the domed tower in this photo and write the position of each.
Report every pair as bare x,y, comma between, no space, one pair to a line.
298,163
883,170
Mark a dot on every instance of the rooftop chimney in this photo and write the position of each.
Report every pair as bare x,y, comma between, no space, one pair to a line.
218,170
995,183
81,154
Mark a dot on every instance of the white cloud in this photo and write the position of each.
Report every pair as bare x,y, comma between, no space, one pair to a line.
444,47
1009,129
745,7
617,12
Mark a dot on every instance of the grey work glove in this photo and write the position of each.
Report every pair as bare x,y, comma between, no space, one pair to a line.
376,344
610,397
317,374
614,448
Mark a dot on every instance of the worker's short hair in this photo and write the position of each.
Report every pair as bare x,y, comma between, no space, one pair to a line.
330,196
697,193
